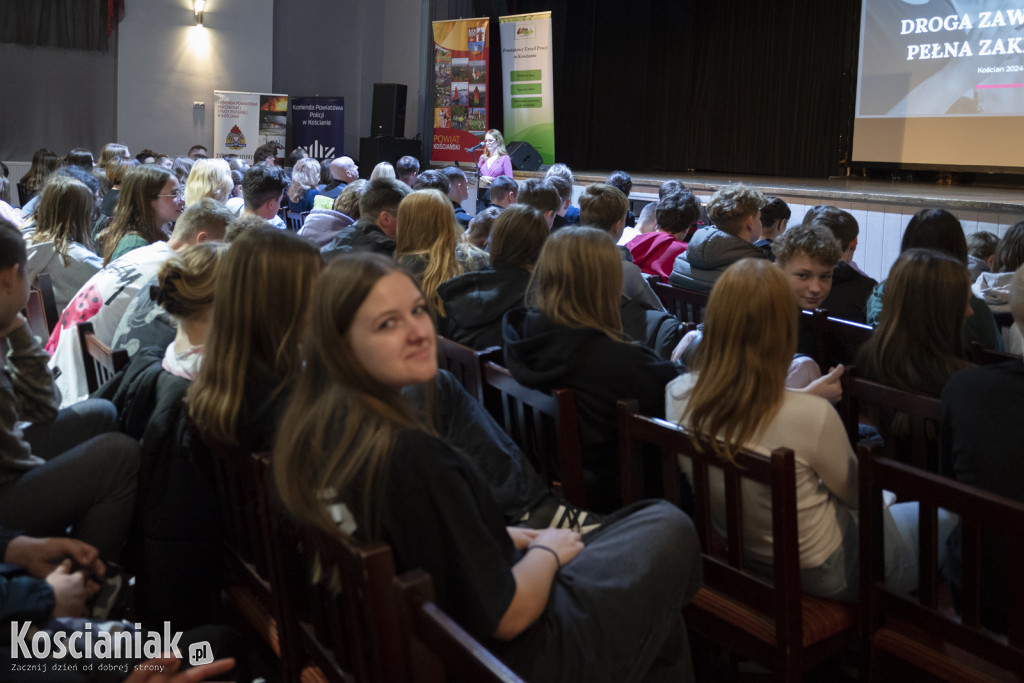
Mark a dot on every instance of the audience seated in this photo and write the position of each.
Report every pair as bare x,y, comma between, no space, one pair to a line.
150,199
564,188
266,154
622,181
807,255
571,337
68,468
343,171
940,230
774,217
406,168
302,190
105,298
377,226
996,287
604,207
44,162
850,287
737,393
981,252
383,170
546,614
145,322
479,231
504,191
430,244
458,193
208,178
736,212
655,252
251,357
981,431
433,179
918,342
263,188
115,173
321,225
173,547
570,213
61,245
541,195
475,302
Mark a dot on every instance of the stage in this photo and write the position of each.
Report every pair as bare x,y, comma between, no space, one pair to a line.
881,207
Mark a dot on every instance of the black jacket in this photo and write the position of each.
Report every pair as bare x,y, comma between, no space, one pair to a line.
461,215
174,544
849,296
363,235
544,355
474,304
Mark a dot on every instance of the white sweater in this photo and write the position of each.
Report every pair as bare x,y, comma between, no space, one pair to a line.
826,469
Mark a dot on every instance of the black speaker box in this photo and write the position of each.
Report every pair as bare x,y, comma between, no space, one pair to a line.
388,110
374,150
523,156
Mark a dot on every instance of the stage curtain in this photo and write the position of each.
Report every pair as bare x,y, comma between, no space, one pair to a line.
737,86
75,24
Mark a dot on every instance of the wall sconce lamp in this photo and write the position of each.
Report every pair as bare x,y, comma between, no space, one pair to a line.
198,6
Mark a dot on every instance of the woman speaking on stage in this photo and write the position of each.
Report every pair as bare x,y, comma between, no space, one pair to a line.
494,161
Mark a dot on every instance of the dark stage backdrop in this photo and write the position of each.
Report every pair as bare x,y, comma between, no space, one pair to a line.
736,86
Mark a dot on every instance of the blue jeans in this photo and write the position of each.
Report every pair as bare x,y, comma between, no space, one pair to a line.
838,578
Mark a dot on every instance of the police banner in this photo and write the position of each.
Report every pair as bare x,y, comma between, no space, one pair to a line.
461,79
526,69
318,126
243,121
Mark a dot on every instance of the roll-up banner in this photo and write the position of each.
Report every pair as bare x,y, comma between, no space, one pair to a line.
318,126
461,78
245,120
526,69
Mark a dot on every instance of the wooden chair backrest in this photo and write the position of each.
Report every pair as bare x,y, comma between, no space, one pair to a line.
836,340
101,363
686,304
466,364
344,609
981,514
35,315
883,402
440,649
544,425
983,356
41,310
295,220
725,567
253,580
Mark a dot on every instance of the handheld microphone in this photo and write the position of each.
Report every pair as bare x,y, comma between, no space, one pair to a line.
476,147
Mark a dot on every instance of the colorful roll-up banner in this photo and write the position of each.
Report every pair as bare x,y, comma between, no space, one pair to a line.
318,126
461,79
526,69
245,120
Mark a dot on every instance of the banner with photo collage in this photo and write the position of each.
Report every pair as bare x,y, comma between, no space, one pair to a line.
243,121
461,78
526,70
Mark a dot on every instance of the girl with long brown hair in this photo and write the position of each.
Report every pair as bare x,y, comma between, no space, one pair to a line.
737,397
252,350
352,457
571,337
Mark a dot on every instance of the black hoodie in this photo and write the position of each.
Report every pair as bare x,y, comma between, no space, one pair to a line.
849,296
544,355
475,302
